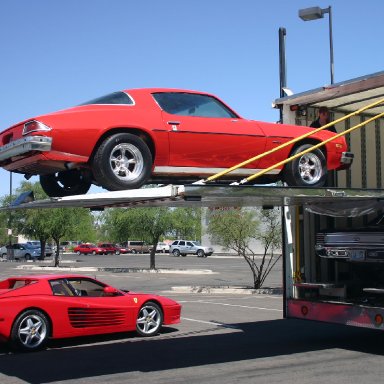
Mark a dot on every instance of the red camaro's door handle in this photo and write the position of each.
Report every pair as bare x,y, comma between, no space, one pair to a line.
174,124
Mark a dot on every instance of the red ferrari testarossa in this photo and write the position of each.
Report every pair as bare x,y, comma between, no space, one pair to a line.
37,308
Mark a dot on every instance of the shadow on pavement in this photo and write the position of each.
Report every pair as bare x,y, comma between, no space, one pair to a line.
73,359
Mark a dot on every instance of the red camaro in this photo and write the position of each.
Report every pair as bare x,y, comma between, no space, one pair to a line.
134,137
36,308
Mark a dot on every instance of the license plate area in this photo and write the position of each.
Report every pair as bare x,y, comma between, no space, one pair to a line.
357,255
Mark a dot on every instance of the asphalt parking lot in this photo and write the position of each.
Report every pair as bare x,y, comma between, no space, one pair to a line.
222,338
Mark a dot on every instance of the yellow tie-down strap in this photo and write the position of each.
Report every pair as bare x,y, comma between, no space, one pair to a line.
293,141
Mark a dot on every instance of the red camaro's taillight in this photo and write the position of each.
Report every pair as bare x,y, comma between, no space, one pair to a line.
35,126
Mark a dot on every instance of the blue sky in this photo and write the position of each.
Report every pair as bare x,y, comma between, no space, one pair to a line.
55,54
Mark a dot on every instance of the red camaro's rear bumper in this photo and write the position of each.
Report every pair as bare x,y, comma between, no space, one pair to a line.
45,162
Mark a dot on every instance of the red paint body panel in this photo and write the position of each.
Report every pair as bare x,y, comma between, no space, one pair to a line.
72,316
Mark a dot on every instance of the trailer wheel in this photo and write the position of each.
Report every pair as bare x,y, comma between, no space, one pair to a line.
122,161
308,170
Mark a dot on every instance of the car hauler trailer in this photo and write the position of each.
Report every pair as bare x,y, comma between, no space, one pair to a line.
346,290
334,270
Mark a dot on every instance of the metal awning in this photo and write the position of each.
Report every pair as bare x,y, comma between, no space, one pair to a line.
209,196
346,97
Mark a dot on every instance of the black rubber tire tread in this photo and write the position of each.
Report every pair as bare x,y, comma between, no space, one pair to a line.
52,188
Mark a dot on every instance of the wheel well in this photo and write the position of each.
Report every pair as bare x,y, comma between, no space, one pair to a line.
134,131
156,302
35,309
312,142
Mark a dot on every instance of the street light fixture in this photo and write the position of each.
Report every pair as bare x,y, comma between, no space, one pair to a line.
315,13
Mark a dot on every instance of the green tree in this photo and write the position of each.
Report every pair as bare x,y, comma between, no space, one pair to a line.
32,222
56,224
150,224
235,228
187,223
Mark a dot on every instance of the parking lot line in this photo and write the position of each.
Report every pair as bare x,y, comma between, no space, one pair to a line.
217,324
230,305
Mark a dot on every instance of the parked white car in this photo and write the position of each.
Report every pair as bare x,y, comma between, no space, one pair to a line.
162,247
184,247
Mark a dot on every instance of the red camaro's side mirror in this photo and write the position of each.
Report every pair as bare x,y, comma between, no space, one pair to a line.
110,291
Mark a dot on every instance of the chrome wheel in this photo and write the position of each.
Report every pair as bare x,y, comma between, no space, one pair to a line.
126,161
122,161
310,168
149,319
30,330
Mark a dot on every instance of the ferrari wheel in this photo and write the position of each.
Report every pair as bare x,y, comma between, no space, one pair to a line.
122,161
307,170
30,330
65,183
149,320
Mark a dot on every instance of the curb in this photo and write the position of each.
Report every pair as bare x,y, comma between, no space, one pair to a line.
229,289
116,270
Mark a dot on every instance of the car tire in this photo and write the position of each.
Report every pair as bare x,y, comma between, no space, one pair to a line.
117,253
149,319
78,253
65,183
176,253
4,255
93,253
200,253
308,170
30,331
27,256
134,251
122,161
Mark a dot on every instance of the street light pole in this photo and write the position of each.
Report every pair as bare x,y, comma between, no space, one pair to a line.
331,44
315,13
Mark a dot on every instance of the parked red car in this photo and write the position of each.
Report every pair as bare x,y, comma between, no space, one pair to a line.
133,137
110,248
88,248
37,308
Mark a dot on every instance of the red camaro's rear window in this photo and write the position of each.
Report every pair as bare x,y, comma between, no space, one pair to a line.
112,98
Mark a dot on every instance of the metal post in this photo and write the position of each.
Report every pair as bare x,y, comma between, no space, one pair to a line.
282,66
331,44
10,250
